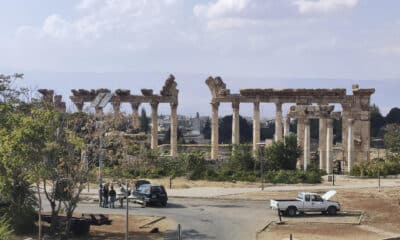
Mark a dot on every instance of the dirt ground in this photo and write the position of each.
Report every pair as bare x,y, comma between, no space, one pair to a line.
116,230
317,232
381,214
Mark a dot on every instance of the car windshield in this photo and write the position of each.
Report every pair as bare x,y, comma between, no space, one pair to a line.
143,188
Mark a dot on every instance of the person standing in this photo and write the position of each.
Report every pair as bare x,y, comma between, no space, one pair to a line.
112,194
105,196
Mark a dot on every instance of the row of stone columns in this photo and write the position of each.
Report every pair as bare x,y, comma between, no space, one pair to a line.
154,121
303,135
236,126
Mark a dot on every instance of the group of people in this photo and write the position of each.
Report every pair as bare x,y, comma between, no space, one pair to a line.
108,196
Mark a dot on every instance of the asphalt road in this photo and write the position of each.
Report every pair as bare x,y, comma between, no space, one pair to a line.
204,218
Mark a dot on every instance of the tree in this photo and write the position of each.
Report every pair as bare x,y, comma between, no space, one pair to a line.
377,120
282,154
225,130
206,131
144,122
21,140
392,140
393,116
242,158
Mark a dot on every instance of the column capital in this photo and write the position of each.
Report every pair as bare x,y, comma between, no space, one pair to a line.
135,105
307,121
173,104
329,122
214,104
79,106
154,104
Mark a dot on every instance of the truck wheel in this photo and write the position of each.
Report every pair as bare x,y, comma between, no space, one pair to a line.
332,211
291,211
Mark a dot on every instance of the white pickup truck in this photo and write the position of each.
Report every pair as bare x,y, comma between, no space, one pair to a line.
307,202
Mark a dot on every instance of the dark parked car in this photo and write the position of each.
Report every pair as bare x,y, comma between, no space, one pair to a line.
152,194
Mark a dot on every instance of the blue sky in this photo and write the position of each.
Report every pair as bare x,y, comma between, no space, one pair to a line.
132,44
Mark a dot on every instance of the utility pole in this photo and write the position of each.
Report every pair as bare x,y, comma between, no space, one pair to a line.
127,213
261,158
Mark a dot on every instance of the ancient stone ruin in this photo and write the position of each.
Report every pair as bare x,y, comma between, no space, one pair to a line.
168,94
355,118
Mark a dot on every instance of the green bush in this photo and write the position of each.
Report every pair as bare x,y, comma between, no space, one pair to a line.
370,168
5,229
293,176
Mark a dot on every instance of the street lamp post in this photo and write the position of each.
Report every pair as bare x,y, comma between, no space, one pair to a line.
379,143
261,157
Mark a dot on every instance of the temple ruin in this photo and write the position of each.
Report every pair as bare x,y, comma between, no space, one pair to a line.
355,117
100,97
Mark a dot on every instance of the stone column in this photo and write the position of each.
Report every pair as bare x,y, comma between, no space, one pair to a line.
306,143
214,130
135,115
329,146
154,125
235,123
116,106
256,127
322,143
350,144
99,110
346,113
286,127
174,130
79,106
300,140
278,122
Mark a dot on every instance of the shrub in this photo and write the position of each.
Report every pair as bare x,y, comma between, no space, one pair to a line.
370,168
5,229
293,176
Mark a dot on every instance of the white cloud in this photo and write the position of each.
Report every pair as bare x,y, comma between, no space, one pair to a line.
220,15
102,20
220,8
318,6
55,26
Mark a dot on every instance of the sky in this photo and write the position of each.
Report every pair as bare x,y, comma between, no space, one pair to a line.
134,44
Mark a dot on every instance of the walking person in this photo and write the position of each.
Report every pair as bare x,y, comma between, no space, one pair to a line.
112,194
105,196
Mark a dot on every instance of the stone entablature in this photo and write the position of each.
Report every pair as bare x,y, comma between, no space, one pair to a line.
54,100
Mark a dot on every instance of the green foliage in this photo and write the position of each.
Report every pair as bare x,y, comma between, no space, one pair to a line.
241,158
393,116
225,130
377,121
195,165
293,176
5,229
144,122
392,140
282,154
206,131
372,167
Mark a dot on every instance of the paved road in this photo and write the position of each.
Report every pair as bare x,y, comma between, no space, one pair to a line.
205,218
